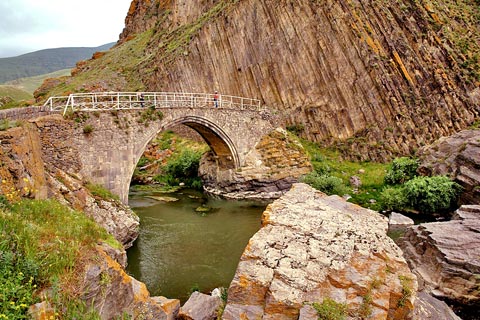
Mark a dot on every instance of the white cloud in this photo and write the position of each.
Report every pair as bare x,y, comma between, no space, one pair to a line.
29,25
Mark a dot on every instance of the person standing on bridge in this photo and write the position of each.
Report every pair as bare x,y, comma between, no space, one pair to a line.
215,99
142,100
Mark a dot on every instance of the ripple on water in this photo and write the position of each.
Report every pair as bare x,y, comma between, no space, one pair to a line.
179,249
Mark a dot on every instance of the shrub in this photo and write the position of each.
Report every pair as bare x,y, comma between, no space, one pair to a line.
296,128
401,170
431,194
325,183
329,309
185,165
393,198
87,129
6,124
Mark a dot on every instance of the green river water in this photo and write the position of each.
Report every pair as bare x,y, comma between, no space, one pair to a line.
179,249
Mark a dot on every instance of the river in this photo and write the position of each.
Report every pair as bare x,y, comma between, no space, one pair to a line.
179,250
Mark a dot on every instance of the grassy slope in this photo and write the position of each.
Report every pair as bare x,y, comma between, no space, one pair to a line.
30,84
44,245
372,176
14,92
117,68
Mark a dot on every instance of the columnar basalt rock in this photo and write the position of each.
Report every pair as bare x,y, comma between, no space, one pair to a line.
445,256
313,246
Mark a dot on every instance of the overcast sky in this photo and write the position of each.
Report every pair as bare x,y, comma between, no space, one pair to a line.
31,25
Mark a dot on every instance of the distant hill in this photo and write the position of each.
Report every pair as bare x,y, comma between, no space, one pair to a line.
45,61
30,84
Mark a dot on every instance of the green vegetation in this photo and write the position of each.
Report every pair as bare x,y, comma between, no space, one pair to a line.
431,194
14,92
384,187
87,129
330,169
406,283
41,245
326,183
101,192
329,309
408,192
401,170
179,163
6,124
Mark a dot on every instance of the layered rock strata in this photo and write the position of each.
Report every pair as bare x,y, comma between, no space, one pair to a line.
270,169
445,256
312,247
374,78
457,156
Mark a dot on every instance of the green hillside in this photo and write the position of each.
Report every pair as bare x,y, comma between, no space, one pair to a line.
30,84
45,61
14,92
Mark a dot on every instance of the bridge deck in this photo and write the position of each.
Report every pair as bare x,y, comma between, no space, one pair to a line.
139,100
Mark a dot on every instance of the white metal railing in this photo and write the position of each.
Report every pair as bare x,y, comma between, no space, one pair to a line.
138,100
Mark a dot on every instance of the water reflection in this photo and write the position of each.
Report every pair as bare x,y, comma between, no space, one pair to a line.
179,249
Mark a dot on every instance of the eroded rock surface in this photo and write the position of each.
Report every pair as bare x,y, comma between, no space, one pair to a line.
113,293
270,169
445,256
429,308
200,307
457,156
313,246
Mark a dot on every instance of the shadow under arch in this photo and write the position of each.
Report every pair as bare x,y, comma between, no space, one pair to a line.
219,142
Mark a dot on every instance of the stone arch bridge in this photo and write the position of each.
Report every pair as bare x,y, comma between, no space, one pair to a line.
113,129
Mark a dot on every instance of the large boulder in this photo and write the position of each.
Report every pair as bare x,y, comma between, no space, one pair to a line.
200,307
457,156
445,256
312,247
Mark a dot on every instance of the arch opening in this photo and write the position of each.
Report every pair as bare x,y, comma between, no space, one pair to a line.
220,144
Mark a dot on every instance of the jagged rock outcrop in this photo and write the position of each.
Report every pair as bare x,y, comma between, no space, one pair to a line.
270,169
375,79
313,246
113,293
457,156
429,308
200,306
445,256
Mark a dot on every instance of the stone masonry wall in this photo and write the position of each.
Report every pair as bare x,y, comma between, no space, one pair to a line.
25,113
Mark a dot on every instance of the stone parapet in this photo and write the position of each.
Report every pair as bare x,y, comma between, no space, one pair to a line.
25,113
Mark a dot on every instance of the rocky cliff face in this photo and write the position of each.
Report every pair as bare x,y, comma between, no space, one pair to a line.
374,78
312,247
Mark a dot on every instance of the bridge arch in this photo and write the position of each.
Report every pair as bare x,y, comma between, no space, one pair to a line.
217,139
